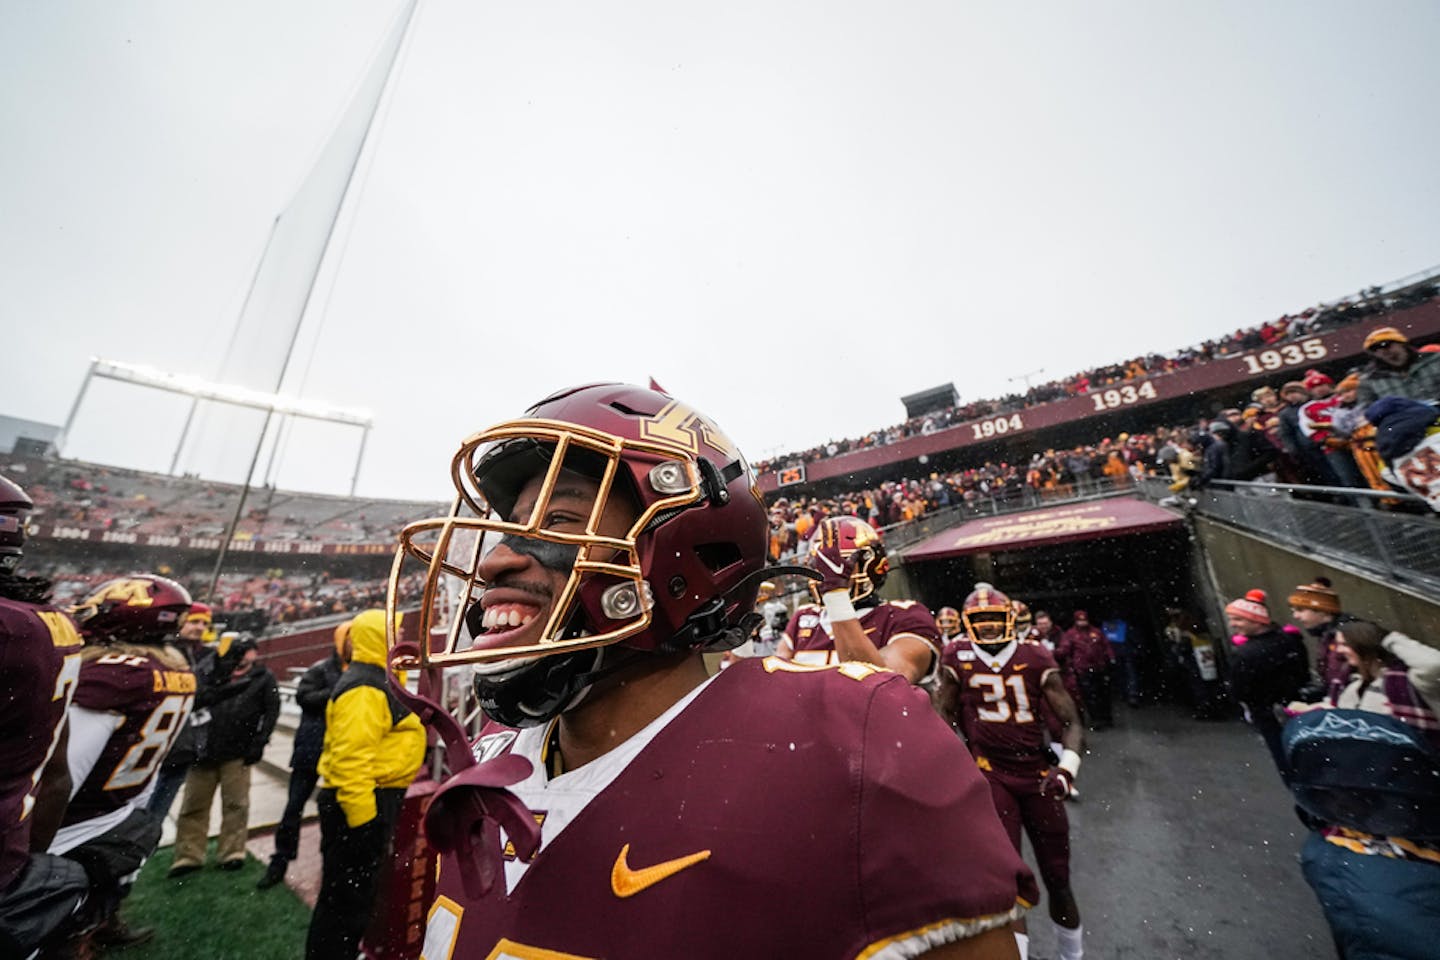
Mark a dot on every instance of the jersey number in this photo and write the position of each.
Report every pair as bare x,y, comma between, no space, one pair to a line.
997,704
156,737
64,690
443,930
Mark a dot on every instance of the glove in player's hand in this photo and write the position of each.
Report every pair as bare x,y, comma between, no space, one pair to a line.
1057,783
834,567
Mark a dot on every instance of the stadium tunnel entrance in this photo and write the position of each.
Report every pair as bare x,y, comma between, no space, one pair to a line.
1115,558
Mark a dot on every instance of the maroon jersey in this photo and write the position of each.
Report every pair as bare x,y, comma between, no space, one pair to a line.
809,629
1084,649
148,693
39,662
1002,701
680,855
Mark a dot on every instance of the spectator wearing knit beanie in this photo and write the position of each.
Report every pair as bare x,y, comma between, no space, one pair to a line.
1316,607
1267,671
1248,615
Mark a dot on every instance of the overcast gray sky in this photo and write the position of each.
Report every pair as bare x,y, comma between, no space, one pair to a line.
788,214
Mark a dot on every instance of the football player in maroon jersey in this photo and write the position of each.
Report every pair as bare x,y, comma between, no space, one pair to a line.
133,695
39,661
599,545
850,621
948,620
1001,688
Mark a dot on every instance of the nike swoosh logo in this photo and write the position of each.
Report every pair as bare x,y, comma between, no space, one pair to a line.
837,567
626,882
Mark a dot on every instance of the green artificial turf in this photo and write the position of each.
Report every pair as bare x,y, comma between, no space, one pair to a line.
213,913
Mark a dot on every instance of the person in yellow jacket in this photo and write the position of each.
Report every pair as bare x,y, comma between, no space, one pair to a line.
373,748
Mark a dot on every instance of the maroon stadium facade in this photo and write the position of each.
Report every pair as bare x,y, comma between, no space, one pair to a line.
1240,371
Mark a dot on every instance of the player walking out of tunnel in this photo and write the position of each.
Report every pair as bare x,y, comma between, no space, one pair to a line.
996,684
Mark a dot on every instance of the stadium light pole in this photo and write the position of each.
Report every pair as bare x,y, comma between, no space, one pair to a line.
75,407
408,18
355,477
184,433
1026,377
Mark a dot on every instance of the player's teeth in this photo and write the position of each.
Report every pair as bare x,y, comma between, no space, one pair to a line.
514,618
526,619
488,620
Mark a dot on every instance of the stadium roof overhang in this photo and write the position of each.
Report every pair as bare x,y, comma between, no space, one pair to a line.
1090,520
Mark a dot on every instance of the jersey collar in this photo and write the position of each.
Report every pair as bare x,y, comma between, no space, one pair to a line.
1000,659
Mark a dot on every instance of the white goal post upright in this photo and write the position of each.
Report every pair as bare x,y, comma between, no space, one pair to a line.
198,389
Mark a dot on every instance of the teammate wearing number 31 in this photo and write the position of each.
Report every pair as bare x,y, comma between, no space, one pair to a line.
993,685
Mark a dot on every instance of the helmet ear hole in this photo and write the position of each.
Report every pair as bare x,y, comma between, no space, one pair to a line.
718,556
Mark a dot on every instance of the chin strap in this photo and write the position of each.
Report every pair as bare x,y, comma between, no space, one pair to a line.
470,809
458,755
468,812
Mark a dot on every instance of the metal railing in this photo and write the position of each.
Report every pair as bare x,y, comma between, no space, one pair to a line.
1400,547
900,535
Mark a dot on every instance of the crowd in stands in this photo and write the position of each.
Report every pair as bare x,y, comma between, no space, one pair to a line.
134,501
251,602
1308,432
276,598
1367,304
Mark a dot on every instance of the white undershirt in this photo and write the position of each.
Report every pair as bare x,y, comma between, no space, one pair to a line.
90,731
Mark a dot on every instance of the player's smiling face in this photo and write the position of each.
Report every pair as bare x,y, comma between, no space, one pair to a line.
526,576
989,630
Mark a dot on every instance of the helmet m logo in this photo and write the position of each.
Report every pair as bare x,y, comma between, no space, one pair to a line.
680,426
132,593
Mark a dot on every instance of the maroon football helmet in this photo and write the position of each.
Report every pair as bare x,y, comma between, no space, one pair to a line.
988,615
948,620
144,608
15,509
681,574
853,543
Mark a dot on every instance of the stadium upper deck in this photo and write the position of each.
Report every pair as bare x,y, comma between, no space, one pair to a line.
1225,375
88,502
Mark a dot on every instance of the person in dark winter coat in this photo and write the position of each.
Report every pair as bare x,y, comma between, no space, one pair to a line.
1215,463
1252,455
312,695
1268,668
239,728
210,689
